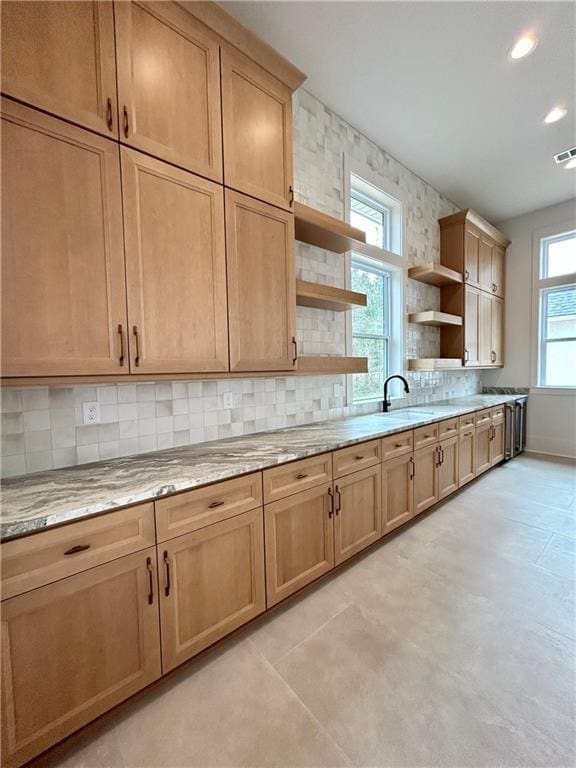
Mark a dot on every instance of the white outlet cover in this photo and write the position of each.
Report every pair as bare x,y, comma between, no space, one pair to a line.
227,400
91,412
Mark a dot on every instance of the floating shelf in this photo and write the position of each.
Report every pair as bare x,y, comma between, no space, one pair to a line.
326,297
323,231
431,317
435,274
434,364
325,364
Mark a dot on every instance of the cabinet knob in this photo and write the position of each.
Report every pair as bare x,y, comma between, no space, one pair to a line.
301,475
358,458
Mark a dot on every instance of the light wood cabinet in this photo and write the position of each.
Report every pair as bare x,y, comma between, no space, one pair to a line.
176,268
425,478
211,582
296,476
497,443
497,331
257,124
359,456
299,538
74,649
482,452
169,85
485,330
448,466
63,287
497,277
357,512
471,326
472,256
59,56
261,285
466,456
485,263
397,445
397,492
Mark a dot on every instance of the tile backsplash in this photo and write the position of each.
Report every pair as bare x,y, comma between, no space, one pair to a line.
42,427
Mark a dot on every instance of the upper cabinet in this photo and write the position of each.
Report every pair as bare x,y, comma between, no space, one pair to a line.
169,86
59,56
257,120
175,268
63,288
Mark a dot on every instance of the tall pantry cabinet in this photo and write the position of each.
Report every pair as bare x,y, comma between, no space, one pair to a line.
132,276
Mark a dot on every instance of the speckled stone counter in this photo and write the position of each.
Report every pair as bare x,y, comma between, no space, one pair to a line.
38,501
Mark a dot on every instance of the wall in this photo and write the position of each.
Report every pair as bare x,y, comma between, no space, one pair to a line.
551,417
42,427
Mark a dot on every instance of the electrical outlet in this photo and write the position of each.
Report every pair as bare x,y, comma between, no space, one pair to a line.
91,413
227,400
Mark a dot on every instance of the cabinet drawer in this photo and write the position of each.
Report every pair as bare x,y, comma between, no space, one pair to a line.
467,422
187,512
42,558
482,417
356,457
447,428
297,476
424,436
498,414
397,445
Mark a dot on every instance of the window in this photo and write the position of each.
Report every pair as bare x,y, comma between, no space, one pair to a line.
371,217
557,311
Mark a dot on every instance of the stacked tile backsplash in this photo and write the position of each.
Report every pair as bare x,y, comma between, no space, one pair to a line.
42,427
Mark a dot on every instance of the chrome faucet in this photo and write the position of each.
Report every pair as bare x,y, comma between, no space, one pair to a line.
386,401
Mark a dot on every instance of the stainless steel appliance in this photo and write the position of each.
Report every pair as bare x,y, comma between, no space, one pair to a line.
515,427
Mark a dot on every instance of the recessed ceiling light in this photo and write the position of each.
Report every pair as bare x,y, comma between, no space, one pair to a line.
555,114
571,163
523,47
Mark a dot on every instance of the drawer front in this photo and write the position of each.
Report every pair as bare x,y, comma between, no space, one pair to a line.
424,436
448,428
498,414
42,558
283,481
483,417
356,457
190,511
397,445
467,422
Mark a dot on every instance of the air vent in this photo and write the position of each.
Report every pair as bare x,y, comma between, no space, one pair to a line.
561,157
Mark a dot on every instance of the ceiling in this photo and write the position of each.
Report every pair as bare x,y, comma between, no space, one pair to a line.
431,83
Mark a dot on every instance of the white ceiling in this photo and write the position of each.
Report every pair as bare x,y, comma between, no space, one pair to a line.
431,83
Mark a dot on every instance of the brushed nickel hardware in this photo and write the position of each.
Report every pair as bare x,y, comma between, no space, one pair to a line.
301,475
295,348
126,126
214,504
331,496
77,548
150,581
121,334
137,355
167,564
339,507
291,196
412,468
109,114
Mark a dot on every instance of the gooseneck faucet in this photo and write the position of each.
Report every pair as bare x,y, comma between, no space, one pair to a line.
386,402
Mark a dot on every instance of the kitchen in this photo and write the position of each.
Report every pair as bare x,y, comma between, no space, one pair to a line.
285,429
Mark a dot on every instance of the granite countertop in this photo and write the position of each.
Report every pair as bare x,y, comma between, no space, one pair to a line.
44,499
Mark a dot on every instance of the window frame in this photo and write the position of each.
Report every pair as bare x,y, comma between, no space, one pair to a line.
380,207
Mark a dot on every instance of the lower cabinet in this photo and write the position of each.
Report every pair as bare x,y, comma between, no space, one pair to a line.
497,443
75,648
397,492
425,477
448,463
357,512
466,456
211,582
482,448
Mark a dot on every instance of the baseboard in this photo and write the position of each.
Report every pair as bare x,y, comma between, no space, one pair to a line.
553,455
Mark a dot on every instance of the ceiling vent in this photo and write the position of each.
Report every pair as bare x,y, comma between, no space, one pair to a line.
561,157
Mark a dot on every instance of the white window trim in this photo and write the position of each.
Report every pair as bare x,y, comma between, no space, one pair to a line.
539,284
393,263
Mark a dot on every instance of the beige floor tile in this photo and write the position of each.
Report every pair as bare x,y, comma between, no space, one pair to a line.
560,556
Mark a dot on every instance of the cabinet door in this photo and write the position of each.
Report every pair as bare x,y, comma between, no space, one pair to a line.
485,264
299,541
425,478
497,331
169,86
63,288
471,326
497,277
397,492
175,268
211,582
466,457
358,512
59,56
74,649
257,120
482,457
497,443
448,472
485,329
472,257
261,285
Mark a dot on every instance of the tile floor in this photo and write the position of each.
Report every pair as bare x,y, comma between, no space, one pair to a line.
450,644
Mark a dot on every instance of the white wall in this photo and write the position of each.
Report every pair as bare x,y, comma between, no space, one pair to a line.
551,416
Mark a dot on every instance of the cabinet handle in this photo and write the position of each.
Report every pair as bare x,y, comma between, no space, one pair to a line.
466,356
291,195
121,334
77,548
137,356
494,287
441,455
167,564
437,462
493,356
301,475
126,127
295,349
398,445
109,114
331,496
339,507
412,468
150,581
214,504
466,274
358,458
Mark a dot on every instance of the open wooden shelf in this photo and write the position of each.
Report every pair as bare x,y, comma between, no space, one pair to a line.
323,231
327,297
432,317
434,363
435,274
325,365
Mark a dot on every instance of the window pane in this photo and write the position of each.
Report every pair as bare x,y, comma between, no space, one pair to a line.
369,319
559,255
560,364
559,307
374,220
370,385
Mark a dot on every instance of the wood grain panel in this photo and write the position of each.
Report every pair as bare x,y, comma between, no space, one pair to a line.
358,512
397,492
